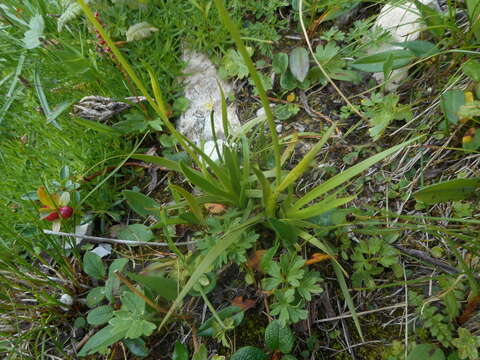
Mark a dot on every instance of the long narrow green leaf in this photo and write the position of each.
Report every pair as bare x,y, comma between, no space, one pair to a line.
235,32
227,240
322,246
191,200
199,180
95,125
347,297
231,162
162,110
265,185
319,208
303,165
214,135
40,93
225,122
453,190
59,109
214,167
13,86
346,175
157,160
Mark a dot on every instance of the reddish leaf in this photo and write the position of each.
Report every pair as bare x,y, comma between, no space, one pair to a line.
215,209
317,257
243,304
254,260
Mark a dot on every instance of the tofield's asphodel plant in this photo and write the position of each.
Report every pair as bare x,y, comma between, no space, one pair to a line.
237,181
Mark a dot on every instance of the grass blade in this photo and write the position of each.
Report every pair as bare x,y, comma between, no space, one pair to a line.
323,206
322,246
348,298
157,160
199,180
224,111
265,185
12,88
343,177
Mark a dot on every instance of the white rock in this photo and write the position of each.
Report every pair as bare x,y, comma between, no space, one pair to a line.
66,300
103,250
202,90
210,150
403,21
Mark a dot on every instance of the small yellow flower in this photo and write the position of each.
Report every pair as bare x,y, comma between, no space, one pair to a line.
468,96
209,105
291,97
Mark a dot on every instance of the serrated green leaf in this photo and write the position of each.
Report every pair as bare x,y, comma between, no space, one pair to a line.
279,337
93,265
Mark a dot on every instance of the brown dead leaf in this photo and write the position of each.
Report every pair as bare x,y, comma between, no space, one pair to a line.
317,257
243,304
215,209
277,355
254,260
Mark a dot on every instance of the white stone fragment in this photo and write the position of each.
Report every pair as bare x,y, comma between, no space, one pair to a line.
202,90
66,300
103,250
403,21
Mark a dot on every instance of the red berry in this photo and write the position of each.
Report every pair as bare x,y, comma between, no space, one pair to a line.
52,216
66,212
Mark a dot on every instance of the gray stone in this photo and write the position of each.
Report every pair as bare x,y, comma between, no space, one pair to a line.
202,82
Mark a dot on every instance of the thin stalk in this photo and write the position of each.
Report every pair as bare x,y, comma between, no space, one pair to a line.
233,29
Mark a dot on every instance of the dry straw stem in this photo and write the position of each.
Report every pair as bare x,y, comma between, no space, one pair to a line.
349,315
97,239
305,33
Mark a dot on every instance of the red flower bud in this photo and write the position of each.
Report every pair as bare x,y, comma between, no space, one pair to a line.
66,212
52,216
